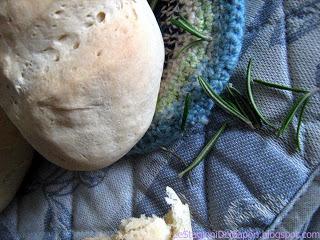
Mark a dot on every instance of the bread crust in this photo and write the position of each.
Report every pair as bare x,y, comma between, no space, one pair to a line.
80,79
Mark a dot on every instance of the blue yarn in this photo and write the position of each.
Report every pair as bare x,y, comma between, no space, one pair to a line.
228,25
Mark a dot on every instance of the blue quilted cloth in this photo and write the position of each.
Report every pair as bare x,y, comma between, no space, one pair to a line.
252,182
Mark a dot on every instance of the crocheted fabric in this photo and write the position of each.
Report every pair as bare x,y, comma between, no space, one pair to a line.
214,60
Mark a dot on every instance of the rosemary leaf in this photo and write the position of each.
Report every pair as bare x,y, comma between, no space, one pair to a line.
186,108
292,112
231,103
184,24
188,46
204,152
251,98
280,86
233,92
303,107
243,104
153,4
231,109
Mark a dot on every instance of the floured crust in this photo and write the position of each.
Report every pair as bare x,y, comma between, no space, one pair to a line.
15,159
80,79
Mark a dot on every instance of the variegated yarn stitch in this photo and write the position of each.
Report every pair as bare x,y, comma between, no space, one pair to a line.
224,22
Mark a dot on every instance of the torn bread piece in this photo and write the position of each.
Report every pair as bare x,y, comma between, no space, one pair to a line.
175,225
178,217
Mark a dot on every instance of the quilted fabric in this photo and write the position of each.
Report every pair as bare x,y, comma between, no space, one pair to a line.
251,181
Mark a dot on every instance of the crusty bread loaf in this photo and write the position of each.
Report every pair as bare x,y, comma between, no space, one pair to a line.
80,78
176,224
15,159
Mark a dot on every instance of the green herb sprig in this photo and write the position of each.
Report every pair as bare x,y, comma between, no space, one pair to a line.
250,94
185,114
153,4
238,105
299,104
205,151
248,111
184,24
293,110
280,86
244,105
223,103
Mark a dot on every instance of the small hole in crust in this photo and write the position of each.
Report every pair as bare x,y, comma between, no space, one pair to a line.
76,45
59,12
101,17
99,53
63,37
53,53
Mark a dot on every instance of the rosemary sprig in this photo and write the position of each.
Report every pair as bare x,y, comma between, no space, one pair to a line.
298,145
185,114
234,93
232,104
280,86
288,119
250,94
243,104
184,24
188,46
204,152
231,109
153,4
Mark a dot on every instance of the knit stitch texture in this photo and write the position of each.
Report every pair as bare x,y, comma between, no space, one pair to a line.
215,61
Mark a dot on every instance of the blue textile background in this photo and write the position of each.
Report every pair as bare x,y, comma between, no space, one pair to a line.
252,181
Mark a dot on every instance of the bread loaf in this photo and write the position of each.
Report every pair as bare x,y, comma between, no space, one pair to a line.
80,78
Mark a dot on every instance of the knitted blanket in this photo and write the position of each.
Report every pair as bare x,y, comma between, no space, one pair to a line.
214,60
